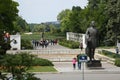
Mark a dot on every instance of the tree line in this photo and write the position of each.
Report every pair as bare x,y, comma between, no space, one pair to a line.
106,14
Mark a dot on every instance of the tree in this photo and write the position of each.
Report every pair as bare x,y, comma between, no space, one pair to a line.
53,29
113,28
75,19
71,20
20,25
39,28
95,12
63,14
62,18
106,14
93,4
8,13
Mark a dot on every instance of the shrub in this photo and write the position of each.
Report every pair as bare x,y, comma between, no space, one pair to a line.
117,62
18,63
112,55
22,61
26,44
68,43
42,62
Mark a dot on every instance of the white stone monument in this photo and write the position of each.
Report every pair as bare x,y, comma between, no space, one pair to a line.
15,42
78,37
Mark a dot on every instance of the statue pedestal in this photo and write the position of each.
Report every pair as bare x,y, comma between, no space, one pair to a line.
94,64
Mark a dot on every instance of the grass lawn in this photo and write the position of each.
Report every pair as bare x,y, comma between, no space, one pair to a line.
42,69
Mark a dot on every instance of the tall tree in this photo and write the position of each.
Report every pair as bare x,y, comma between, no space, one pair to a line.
62,14
75,19
93,4
8,13
113,25
95,12
71,20
63,18
21,25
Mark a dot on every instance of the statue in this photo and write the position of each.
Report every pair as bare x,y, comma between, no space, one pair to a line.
91,40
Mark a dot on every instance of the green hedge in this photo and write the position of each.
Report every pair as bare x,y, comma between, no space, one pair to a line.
26,44
68,43
23,59
42,62
117,62
112,55
18,63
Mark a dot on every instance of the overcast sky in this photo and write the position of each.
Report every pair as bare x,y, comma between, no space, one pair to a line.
37,11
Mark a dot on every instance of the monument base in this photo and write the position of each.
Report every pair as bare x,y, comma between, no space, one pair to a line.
94,64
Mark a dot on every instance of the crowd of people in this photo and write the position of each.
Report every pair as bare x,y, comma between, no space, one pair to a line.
43,43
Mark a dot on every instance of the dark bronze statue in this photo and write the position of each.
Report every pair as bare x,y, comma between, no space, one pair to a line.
91,40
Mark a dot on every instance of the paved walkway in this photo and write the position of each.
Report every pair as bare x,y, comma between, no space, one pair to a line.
66,71
67,67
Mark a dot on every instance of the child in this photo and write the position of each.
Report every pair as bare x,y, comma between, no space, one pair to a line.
74,63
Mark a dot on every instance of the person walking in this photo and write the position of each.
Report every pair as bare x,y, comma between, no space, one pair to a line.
81,46
78,61
117,50
74,63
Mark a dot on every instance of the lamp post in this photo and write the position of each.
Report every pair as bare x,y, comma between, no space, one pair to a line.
42,35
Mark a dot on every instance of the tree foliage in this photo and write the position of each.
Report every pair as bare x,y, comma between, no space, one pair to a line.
17,65
8,13
20,25
106,14
113,25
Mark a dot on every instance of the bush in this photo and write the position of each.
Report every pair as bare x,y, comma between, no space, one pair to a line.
117,62
112,55
42,62
18,63
26,44
23,59
68,43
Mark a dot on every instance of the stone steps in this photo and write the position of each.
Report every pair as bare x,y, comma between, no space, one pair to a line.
57,57
60,54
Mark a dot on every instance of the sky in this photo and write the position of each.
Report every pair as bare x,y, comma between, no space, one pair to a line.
38,11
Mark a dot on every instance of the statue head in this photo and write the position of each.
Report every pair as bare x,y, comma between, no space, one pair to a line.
92,23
